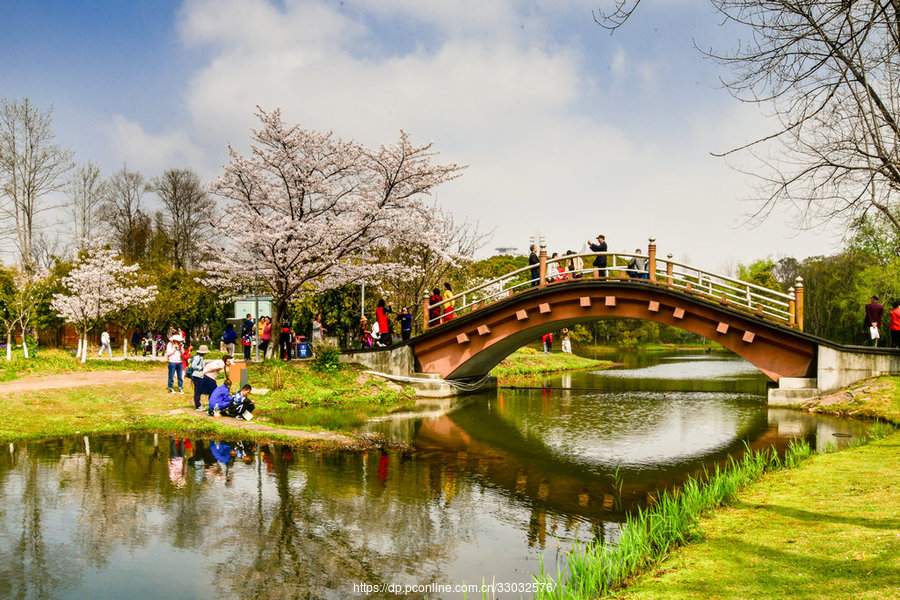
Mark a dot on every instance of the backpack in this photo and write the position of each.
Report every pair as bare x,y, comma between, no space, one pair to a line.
189,372
246,328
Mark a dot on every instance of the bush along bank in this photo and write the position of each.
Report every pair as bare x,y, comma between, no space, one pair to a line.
648,537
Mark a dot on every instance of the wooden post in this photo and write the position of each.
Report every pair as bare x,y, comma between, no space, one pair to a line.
543,257
792,309
798,293
669,271
651,253
426,302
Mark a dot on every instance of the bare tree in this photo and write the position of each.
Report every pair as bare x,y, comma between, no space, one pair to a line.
188,215
31,167
829,73
86,192
123,212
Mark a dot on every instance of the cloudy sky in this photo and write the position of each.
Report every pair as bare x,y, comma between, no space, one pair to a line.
566,129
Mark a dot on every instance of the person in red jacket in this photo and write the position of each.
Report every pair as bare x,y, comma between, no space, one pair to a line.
895,325
384,326
548,342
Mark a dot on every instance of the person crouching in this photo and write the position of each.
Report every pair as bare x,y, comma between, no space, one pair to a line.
241,407
220,399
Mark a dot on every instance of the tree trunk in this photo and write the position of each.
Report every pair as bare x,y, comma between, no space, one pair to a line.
24,342
84,353
278,317
125,347
78,348
8,345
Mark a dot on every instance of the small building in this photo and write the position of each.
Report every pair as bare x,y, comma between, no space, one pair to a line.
257,306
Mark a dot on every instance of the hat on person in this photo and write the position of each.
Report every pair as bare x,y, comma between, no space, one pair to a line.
204,349
874,297
176,338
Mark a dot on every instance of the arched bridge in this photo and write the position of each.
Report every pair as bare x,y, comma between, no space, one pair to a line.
502,315
494,318
472,344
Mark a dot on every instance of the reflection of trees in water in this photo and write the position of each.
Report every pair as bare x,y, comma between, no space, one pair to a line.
355,519
33,563
322,524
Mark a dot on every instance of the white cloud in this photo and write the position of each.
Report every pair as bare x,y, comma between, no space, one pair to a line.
153,153
521,108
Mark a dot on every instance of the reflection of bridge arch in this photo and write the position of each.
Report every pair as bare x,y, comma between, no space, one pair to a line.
470,345
520,463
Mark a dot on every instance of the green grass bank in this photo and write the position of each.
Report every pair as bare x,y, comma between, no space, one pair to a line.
828,526
300,401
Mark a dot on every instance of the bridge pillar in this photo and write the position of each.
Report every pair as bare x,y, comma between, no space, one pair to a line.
798,294
792,310
426,303
651,259
543,257
670,269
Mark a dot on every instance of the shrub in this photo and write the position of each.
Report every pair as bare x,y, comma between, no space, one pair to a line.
327,359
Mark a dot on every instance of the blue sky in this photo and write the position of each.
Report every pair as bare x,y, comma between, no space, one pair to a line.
566,129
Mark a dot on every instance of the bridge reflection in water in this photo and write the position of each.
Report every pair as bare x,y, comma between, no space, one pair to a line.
600,454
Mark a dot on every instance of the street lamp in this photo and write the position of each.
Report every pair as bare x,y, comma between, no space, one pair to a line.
256,311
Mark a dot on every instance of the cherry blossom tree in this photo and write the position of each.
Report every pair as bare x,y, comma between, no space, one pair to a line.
305,205
99,285
21,292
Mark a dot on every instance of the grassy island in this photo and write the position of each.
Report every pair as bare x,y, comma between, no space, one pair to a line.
527,362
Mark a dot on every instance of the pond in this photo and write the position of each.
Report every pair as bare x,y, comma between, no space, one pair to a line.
494,484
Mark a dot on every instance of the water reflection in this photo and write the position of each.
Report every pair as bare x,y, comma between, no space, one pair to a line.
495,484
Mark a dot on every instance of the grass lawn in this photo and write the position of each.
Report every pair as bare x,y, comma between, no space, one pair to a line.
299,398
829,528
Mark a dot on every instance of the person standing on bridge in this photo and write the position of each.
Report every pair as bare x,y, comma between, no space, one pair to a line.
872,322
449,301
434,311
600,261
535,262
895,324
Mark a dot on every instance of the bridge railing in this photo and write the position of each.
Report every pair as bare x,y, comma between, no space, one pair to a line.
784,308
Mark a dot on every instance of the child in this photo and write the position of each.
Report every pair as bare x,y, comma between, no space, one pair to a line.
241,406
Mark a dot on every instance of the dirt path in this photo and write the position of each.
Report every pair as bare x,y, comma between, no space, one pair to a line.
79,379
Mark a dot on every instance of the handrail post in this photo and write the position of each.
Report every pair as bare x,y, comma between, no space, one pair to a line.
798,293
670,269
651,253
543,257
426,303
792,309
